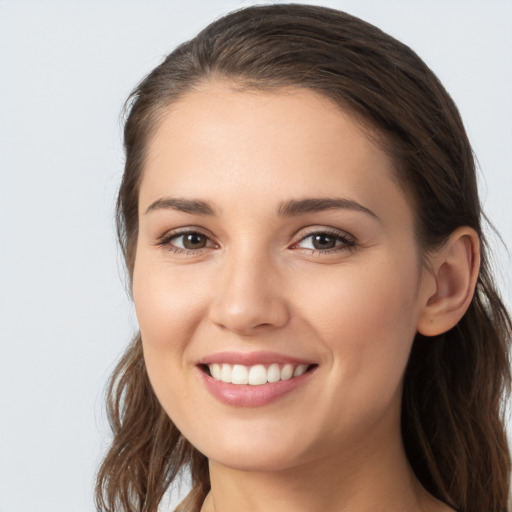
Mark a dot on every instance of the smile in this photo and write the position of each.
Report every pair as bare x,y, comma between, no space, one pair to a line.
255,375
254,379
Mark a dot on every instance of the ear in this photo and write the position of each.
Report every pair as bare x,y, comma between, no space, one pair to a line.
454,272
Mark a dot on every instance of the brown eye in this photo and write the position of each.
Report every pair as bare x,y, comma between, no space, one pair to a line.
186,242
192,241
323,241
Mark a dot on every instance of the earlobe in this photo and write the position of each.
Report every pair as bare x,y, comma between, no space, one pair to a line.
455,270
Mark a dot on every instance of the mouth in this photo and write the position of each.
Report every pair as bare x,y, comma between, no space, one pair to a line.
254,379
255,375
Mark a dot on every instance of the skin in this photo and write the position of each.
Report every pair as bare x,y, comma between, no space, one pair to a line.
258,283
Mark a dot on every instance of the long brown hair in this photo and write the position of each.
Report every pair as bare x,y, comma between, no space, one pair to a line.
456,384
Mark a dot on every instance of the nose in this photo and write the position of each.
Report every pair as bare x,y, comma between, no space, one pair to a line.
250,297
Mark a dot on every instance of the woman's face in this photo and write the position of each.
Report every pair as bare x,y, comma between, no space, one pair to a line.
274,239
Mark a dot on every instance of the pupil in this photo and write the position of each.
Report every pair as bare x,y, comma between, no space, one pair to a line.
323,242
194,241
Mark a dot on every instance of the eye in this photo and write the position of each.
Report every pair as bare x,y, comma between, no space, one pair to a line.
185,241
326,241
190,241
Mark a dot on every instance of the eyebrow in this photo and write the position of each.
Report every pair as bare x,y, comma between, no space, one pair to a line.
193,206
291,208
297,207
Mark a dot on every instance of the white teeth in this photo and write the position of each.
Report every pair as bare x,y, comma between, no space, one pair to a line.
273,373
300,370
225,373
239,374
215,370
287,372
255,375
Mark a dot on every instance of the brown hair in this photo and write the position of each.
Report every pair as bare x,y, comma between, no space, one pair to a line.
454,388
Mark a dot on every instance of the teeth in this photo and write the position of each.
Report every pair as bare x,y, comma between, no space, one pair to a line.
255,375
226,372
215,370
239,374
273,373
287,372
300,370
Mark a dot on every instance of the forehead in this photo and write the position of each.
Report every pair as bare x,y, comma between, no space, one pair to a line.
227,144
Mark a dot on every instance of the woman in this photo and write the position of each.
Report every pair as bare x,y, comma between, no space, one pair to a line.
319,329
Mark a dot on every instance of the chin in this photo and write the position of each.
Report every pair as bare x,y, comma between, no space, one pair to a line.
249,462
254,453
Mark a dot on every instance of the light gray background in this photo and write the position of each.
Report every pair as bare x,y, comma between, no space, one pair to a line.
65,69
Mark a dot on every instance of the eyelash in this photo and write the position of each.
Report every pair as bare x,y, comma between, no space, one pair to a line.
347,242
166,239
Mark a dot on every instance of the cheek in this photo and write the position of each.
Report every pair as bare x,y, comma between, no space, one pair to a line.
365,321
168,309
366,316
168,306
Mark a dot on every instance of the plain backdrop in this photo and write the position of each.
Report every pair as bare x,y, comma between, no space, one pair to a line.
66,68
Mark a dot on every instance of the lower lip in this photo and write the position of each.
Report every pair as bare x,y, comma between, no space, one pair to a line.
241,395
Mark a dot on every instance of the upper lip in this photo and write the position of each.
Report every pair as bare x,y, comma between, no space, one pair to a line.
252,358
